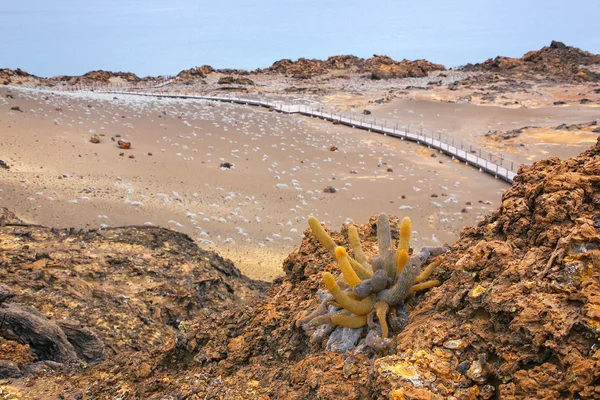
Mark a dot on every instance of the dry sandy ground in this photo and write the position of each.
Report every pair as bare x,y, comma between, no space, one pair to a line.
255,212
471,122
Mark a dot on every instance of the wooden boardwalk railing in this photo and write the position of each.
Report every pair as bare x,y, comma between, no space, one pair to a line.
485,161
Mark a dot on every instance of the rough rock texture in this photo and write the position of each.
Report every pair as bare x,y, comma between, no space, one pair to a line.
383,67
133,289
195,73
16,76
517,314
302,68
557,61
99,76
380,67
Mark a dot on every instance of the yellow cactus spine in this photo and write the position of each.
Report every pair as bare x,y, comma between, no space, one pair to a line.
321,235
362,307
349,321
359,254
405,231
422,286
401,260
427,271
381,309
347,270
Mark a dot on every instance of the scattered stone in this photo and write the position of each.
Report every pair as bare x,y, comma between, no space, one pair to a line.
354,172
10,96
596,219
559,103
227,165
121,154
585,101
6,293
343,339
9,369
4,165
476,372
463,367
336,121
124,144
366,112
16,108
390,169
149,154
329,189
95,139
131,156
434,195
333,148
596,130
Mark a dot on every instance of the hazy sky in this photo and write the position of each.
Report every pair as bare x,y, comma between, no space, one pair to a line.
152,37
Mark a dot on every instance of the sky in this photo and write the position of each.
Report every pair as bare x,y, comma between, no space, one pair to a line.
159,37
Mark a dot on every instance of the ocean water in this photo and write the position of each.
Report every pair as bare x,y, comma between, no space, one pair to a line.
152,37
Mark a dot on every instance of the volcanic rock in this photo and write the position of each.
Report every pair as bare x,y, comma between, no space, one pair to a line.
557,61
230,80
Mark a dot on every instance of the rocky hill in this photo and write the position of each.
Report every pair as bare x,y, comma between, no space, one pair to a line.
141,312
557,61
16,76
380,67
99,76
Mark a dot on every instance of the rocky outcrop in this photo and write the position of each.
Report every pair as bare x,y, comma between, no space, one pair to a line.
380,67
383,67
345,61
110,297
99,77
195,73
8,76
557,61
301,69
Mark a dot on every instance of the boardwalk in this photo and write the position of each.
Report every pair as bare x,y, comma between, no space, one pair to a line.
473,155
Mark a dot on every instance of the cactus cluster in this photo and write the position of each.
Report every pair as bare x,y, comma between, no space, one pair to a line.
366,292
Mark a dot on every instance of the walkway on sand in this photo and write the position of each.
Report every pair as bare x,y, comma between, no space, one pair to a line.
491,163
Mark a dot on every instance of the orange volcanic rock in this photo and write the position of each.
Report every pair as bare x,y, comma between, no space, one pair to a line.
556,61
383,67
